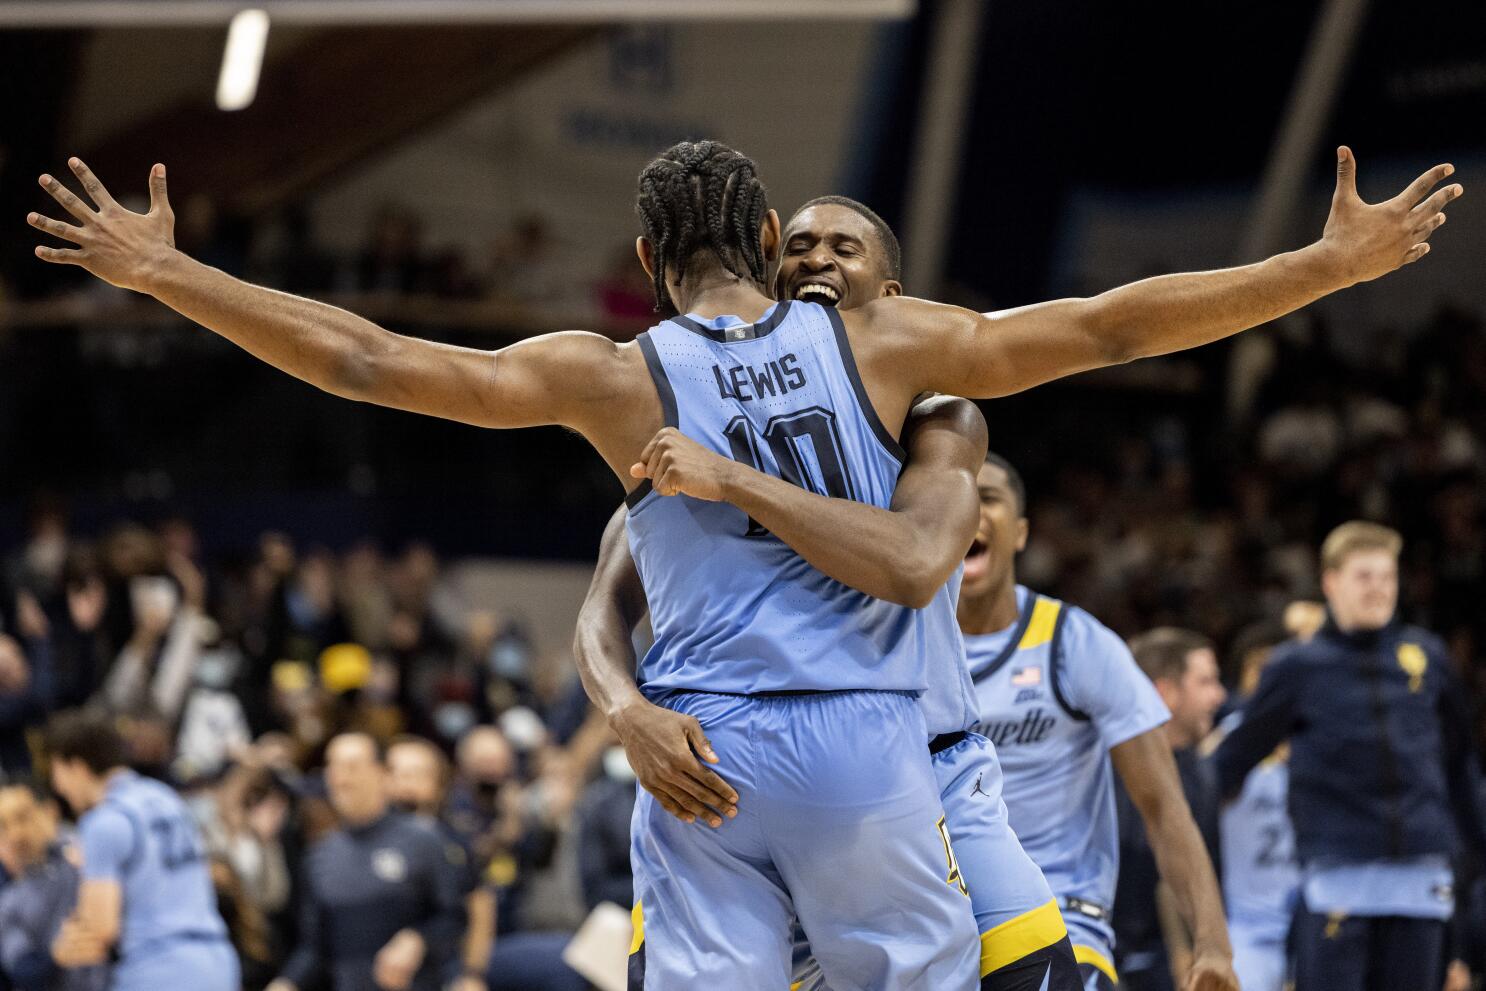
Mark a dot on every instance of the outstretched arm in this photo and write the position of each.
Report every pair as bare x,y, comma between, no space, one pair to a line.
666,749
996,354
903,554
540,381
1146,768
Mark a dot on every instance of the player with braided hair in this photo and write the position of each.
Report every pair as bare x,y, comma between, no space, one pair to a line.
702,196
781,661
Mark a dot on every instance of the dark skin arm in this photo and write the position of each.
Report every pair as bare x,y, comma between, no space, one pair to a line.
1148,771
931,523
903,554
905,346
579,380
665,748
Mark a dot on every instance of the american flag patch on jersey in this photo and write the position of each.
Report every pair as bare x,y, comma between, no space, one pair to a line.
1031,675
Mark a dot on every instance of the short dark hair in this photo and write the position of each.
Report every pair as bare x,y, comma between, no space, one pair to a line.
892,260
702,196
1013,479
87,735
1163,652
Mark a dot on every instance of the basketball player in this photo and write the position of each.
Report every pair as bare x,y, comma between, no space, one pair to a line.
1067,708
827,395
1261,876
146,896
841,251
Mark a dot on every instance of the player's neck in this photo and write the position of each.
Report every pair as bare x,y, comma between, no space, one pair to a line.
991,612
721,293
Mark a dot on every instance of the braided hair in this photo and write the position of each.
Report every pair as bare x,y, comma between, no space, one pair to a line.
702,196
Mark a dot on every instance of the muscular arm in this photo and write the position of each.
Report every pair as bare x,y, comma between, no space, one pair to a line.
1149,774
603,643
557,378
903,554
982,355
668,750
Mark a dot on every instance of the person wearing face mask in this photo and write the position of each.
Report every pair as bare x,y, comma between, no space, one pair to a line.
1383,779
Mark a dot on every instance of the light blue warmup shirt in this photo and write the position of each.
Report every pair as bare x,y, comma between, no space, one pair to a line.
143,837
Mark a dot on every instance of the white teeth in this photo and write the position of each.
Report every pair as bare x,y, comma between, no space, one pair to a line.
818,290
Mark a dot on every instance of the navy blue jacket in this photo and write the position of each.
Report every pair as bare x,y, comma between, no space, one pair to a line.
362,885
1381,763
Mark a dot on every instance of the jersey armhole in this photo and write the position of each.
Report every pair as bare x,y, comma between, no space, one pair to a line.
1055,656
889,443
667,397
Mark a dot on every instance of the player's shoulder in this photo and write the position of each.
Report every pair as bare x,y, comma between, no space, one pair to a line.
1081,627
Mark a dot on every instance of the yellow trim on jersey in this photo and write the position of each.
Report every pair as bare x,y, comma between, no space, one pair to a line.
1097,960
637,919
796,986
1015,938
1040,626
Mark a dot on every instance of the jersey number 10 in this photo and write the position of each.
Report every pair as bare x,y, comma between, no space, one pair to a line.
825,473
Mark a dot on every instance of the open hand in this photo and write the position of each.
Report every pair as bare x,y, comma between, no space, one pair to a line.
678,465
119,246
1368,240
663,747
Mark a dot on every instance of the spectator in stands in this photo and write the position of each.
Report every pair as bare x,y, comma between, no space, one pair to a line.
602,828
418,780
25,690
42,895
1384,781
1153,944
381,904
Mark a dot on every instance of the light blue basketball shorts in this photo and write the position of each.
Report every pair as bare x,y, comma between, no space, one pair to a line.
839,825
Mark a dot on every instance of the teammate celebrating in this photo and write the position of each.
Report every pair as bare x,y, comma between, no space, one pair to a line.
839,250
811,394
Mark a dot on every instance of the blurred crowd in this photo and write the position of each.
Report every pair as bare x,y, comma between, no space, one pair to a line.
1212,526
530,263
230,683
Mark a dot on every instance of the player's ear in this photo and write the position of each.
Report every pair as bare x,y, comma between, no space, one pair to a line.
1022,529
770,236
891,287
646,255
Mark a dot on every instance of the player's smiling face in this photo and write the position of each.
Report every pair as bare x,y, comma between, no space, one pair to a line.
832,256
1002,532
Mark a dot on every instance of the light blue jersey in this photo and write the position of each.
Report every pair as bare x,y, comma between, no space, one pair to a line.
735,609
1261,877
1057,690
949,703
142,837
